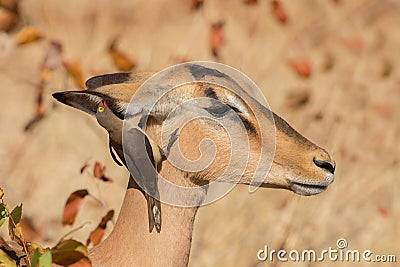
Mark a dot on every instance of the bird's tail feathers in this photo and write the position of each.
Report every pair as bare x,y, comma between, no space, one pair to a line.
154,213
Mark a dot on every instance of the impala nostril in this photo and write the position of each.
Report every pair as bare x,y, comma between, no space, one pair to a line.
326,165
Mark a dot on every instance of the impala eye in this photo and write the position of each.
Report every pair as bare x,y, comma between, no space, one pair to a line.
100,109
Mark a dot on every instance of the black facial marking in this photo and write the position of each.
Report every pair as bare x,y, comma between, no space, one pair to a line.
199,71
211,93
107,79
248,125
173,137
218,109
235,109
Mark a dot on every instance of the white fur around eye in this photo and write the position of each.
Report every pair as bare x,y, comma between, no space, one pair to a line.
237,103
122,108
94,98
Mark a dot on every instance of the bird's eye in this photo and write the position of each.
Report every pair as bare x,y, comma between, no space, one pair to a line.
100,109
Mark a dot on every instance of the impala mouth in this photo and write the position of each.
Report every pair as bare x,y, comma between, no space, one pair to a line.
309,188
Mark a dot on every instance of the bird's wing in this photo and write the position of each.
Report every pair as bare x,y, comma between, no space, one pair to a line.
140,158
114,157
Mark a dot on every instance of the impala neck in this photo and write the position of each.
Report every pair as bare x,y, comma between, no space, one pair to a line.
131,244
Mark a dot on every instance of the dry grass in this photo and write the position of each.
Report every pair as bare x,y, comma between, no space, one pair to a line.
354,88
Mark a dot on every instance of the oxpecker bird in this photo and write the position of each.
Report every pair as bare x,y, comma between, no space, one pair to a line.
142,156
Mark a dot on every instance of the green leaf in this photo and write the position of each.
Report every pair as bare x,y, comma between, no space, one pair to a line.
5,260
15,218
16,214
3,214
35,258
68,252
45,259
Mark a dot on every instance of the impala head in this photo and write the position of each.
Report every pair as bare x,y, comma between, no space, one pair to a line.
298,165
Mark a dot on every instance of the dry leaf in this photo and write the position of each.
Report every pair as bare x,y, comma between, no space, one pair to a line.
384,212
75,70
11,5
329,62
279,12
99,171
8,20
120,60
196,4
384,110
216,38
354,44
319,115
250,2
14,229
72,206
29,231
387,69
6,260
96,235
53,57
69,253
39,108
301,66
298,98
28,34
83,168
84,262
12,250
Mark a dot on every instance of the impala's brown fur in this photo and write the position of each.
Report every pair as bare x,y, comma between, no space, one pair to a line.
298,165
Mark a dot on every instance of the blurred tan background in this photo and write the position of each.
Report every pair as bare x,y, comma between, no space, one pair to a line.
330,68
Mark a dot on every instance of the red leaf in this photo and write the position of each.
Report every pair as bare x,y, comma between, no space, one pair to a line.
96,235
99,171
279,12
301,66
383,211
72,206
384,110
216,38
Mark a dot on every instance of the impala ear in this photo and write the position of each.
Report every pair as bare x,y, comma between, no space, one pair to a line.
117,78
107,79
88,101
81,100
